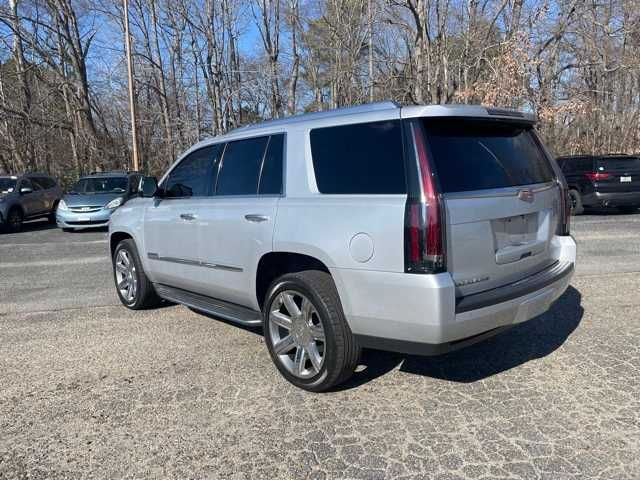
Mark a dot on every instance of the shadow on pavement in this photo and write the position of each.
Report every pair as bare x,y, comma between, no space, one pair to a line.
32,226
88,230
536,338
609,212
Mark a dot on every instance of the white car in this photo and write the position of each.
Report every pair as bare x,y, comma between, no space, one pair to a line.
417,229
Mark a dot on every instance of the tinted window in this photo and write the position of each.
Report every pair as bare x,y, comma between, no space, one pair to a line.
192,177
100,185
48,182
7,185
26,183
134,183
362,158
40,183
577,165
35,184
241,166
271,175
477,155
618,164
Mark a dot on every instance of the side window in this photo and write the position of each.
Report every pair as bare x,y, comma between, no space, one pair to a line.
134,183
26,183
272,171
585,165
192,177
361,158
240,167
38,183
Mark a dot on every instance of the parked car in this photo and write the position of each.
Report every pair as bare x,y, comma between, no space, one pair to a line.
602,181
418,229
27,197
92,200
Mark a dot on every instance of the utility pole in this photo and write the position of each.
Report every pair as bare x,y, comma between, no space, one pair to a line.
132,103
370,51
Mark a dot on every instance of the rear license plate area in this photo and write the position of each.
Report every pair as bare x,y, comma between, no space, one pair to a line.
625,179
516,230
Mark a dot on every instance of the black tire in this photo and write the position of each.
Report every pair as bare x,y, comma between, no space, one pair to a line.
575,200
627,209
145,295
341,351
14,220
52,216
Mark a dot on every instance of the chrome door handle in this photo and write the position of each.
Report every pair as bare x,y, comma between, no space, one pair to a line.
256,218
187,216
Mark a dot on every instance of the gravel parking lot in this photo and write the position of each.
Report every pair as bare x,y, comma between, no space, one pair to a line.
90,389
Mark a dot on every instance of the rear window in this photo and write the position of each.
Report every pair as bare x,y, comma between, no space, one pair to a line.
618,164
365,158
479,155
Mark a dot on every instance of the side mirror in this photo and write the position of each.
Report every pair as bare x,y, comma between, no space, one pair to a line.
25,190
148,187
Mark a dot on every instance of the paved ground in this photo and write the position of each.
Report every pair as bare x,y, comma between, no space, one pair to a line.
90,389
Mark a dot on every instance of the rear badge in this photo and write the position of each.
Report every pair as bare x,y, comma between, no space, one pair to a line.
470,281
526,195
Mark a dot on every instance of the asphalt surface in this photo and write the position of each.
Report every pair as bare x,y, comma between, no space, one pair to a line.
89,389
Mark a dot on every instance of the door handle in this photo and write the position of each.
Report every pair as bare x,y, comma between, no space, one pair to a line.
256,218
187,216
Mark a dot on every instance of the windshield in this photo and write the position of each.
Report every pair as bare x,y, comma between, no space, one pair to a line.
100,185
618,164
7,185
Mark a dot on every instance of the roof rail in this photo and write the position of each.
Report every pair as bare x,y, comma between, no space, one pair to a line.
108,172
364,108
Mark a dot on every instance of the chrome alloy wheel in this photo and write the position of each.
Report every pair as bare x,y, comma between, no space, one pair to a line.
296,333
126,279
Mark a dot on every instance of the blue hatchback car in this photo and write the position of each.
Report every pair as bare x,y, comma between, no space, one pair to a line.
93,199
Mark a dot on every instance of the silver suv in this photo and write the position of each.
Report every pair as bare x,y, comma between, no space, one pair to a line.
417,229
27,197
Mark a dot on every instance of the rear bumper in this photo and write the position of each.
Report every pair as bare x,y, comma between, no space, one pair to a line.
67,219
617,199
420,314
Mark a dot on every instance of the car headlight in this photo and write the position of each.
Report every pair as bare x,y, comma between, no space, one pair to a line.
62,205
115,203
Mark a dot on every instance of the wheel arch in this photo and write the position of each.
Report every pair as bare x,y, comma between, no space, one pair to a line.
277,263
115,238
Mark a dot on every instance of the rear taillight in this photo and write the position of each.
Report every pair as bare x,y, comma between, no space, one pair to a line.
597,176
424,214
564,226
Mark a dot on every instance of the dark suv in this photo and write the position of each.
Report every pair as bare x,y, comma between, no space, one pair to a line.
602,181
25,197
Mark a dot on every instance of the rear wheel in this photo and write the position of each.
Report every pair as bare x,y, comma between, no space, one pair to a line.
134,288
306,333
627,209
576,202
14,220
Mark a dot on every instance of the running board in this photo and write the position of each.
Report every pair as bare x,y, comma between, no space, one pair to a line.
219,308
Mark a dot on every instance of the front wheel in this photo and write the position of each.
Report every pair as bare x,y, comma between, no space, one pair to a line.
134,289
14,220
306,332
